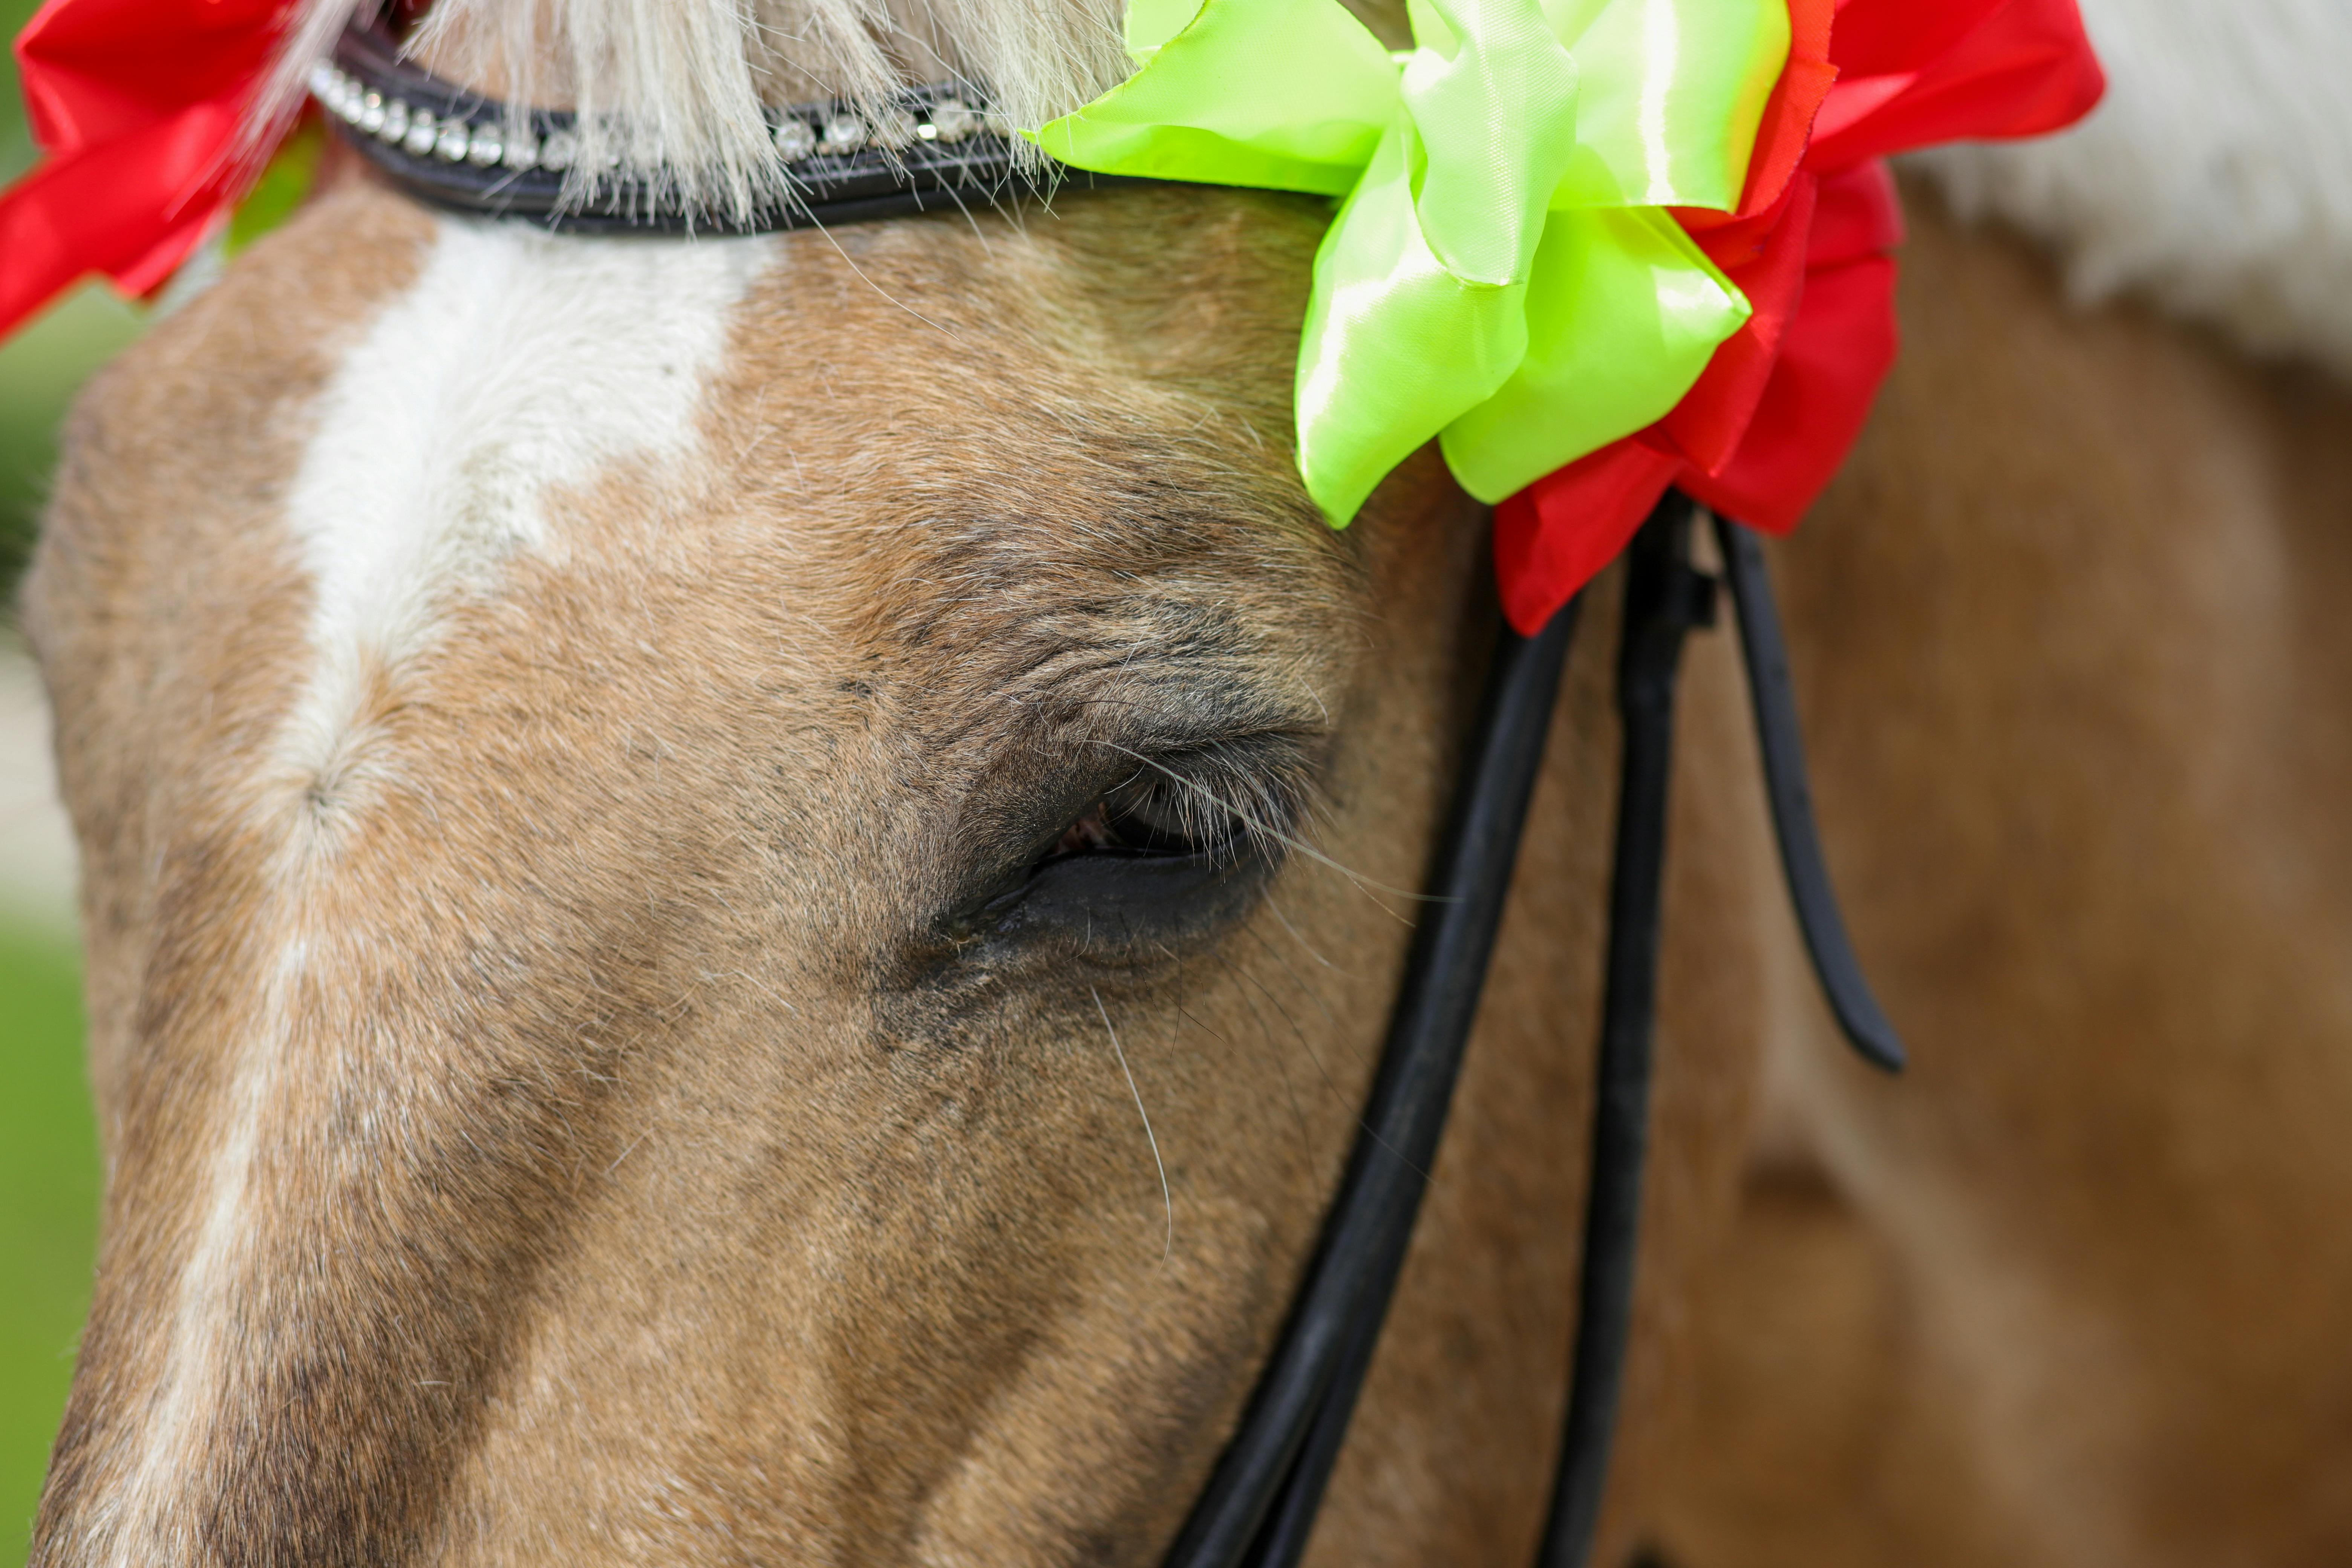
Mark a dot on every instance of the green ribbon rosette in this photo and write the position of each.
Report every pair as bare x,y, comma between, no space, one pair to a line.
1500,274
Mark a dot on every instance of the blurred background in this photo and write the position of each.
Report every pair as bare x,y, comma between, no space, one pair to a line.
49,1157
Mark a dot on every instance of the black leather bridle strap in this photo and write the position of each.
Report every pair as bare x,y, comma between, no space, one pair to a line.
1261,1498
1773,693
1665,599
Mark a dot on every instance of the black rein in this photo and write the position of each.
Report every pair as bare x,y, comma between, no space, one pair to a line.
1261,1501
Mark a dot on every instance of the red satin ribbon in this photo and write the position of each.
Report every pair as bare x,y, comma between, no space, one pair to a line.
141,106
1782,402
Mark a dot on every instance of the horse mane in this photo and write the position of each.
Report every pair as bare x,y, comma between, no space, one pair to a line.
2215,180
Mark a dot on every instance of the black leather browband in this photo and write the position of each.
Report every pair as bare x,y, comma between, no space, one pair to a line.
444,145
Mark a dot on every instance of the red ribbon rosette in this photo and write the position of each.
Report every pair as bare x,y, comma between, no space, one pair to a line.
1782,402
141,106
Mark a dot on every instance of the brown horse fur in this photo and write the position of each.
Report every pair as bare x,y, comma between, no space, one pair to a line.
645,1166
573,1116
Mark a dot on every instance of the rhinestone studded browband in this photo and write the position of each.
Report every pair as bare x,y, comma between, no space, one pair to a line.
451,148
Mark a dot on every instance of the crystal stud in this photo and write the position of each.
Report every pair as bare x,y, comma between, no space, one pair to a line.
952,121
557,149
845,133
795,140
423,132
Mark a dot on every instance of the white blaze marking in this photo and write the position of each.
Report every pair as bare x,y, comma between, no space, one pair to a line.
517,361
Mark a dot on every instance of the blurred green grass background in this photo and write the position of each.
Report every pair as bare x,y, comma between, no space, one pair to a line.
49,1157
48,1211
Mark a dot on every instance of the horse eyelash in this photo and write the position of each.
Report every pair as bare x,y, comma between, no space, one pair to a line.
1292,794
1218,810
1212,796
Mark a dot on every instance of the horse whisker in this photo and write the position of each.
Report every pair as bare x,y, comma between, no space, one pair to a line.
1312,994
1167,1200
1304,944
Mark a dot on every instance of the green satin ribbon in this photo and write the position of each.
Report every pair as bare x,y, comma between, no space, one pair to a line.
1500,274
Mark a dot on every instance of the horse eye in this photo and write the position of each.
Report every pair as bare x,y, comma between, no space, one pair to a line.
1152,819
1174,852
